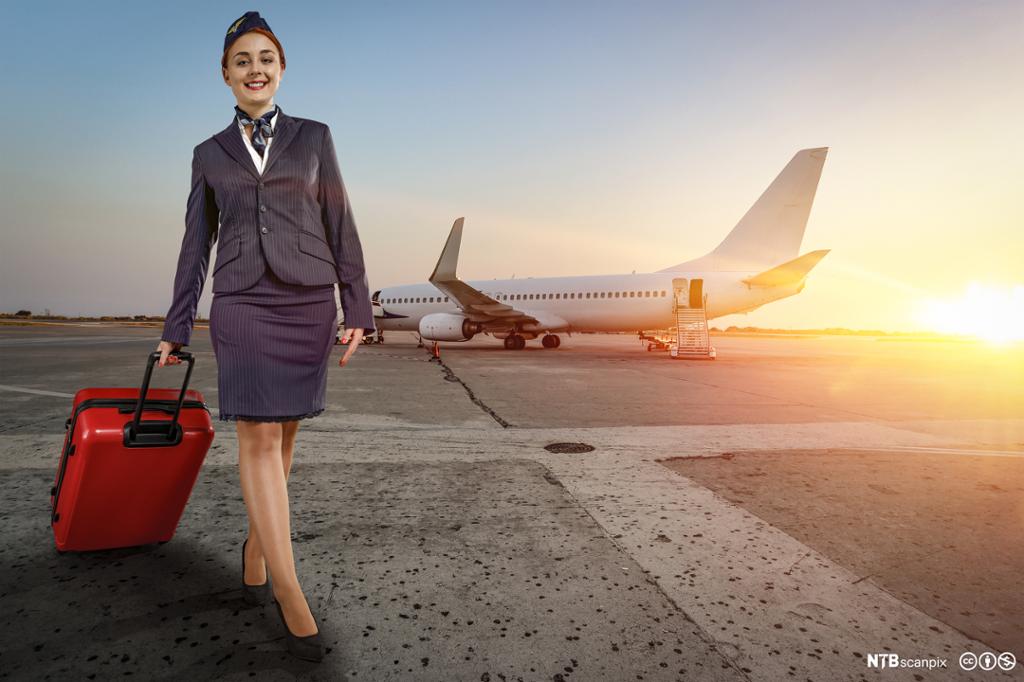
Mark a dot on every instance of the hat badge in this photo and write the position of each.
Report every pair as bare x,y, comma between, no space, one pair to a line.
234,26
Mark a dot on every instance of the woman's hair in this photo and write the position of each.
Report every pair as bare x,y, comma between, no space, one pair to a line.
273,38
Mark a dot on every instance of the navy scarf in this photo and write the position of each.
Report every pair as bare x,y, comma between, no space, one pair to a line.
261,128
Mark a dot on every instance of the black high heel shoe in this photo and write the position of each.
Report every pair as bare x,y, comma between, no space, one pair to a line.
308,648
255,595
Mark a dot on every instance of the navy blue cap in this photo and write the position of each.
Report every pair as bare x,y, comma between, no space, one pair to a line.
244,24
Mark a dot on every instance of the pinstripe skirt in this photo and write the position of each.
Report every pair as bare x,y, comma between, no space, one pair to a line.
273,344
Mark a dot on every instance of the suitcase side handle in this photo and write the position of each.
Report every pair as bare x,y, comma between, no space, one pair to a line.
134,432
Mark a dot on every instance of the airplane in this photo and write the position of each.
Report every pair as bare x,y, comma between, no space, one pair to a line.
755,264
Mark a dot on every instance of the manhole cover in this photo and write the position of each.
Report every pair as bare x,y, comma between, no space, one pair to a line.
569,448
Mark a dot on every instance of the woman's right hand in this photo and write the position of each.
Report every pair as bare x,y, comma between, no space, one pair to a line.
165,349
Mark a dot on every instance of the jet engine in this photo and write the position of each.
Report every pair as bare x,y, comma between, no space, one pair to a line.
448,327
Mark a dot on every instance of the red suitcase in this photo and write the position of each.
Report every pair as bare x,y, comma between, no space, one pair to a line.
124,481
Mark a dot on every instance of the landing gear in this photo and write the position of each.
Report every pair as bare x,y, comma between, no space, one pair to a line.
514,342
551,341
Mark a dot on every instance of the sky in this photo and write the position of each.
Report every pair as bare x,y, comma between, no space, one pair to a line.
575,138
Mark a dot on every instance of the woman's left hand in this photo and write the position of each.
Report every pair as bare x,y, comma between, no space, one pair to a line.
352,337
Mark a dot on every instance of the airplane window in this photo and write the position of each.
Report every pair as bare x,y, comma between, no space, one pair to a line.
662,292
632,294
445,299
543,295
616,294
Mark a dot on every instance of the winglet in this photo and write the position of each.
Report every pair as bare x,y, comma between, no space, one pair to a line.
445,268
789,272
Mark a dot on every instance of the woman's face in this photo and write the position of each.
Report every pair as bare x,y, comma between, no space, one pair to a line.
253,60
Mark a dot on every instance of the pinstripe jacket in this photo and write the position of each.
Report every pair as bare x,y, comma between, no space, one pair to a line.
295,218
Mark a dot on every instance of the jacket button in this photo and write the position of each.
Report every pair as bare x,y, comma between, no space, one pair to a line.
263,209
263,230
263,184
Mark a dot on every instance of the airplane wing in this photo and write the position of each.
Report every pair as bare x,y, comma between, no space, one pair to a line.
475,304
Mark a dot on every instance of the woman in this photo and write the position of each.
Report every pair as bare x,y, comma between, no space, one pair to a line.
269,191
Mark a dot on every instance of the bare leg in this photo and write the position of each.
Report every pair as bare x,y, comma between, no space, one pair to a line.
265,491
255,567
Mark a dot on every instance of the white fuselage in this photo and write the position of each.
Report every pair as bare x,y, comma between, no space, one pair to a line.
600,303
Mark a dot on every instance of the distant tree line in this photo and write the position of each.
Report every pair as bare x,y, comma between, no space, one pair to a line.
26,314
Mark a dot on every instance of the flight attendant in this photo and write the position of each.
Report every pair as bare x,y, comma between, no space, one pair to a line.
269,192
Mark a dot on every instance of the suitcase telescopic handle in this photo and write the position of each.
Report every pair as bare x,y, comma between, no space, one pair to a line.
154,357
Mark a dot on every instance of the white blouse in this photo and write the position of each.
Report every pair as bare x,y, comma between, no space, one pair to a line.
256,158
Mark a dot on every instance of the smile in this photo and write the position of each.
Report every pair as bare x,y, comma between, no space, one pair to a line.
256,85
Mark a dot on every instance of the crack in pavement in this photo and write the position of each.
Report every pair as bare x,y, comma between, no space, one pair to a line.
452,376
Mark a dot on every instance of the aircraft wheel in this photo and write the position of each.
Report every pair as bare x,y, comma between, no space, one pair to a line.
510,342
520,342
558,340
549,341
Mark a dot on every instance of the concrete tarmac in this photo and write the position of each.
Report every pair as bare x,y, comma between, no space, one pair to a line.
782,512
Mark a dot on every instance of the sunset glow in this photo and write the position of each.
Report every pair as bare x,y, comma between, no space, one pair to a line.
991,312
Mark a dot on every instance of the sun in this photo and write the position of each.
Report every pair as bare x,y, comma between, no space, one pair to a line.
986,311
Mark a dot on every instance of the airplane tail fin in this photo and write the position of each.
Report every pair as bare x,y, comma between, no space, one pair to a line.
773,228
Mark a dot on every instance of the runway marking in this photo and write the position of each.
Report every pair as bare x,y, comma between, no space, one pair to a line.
72,340
36,391
951,451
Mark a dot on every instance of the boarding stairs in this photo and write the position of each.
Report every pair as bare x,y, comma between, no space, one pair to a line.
691,339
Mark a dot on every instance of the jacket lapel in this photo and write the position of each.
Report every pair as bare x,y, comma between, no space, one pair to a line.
231,140
285,128
284,132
